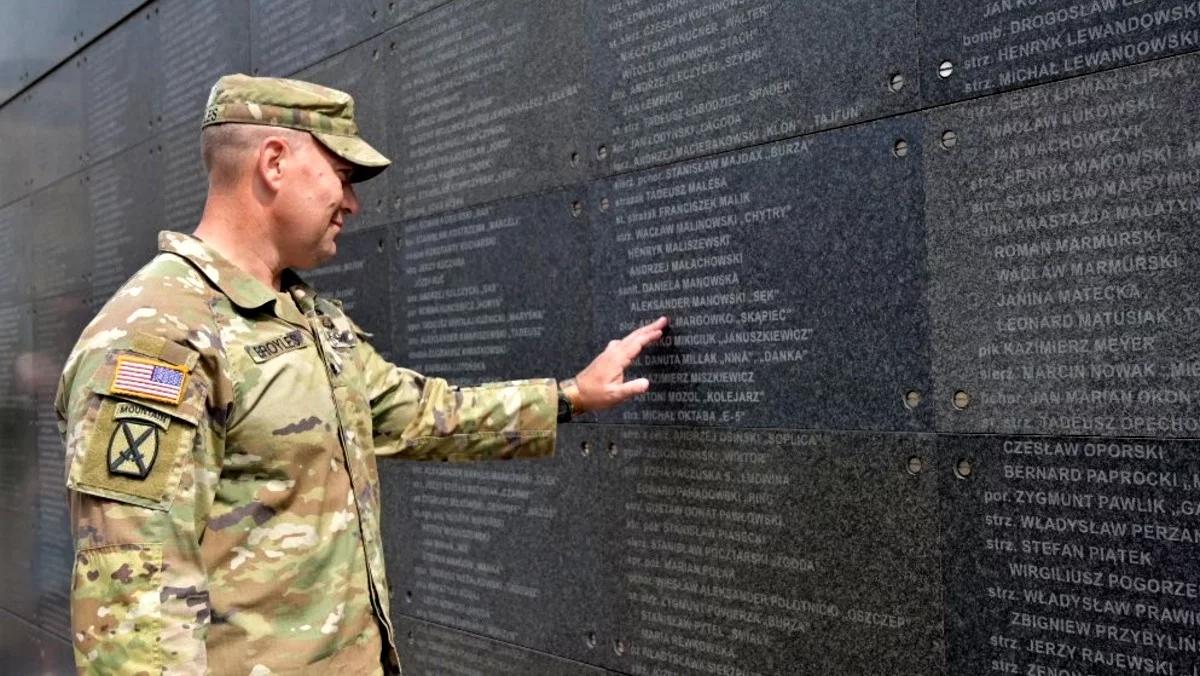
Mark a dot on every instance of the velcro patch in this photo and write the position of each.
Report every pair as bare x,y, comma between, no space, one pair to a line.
276,346
129,456
148,379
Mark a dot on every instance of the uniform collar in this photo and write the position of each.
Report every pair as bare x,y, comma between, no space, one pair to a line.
304,295
242,289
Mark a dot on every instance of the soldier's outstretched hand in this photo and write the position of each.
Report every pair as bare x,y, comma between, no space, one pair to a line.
602,384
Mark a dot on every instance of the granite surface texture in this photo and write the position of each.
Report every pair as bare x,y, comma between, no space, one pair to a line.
929,402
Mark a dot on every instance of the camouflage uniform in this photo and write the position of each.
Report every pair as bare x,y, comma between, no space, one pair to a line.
221,440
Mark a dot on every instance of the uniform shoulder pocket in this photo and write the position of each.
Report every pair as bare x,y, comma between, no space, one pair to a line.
115,609
135,439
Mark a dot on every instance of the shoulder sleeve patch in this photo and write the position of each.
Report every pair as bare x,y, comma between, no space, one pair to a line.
131,452
148,379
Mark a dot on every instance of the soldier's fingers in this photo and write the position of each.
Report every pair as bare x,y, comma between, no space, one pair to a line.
633,345
632,388
658,325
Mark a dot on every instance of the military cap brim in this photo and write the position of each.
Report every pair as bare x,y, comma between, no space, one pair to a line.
368,162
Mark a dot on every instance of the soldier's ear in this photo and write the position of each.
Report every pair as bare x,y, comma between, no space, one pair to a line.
274,153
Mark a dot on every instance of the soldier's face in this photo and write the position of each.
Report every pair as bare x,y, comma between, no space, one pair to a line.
317,200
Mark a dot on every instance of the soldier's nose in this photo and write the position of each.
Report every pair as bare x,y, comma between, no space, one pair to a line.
350,200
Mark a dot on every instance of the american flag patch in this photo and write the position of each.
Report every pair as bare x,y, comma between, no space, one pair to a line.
148,379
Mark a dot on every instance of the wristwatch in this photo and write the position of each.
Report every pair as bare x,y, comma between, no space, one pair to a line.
565,412
566,409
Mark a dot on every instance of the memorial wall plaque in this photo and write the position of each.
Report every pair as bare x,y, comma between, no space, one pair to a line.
1072,555
1063,256
119,109
184,181
793,275
199,41
358,278
768,552
57,323
360,71
27,650
19,368
62,237
14,176
40,35
432,650
495,292
16,247
403,10
286,36
125,206
984,46
506,549
683,79
488,100
19,486
53,127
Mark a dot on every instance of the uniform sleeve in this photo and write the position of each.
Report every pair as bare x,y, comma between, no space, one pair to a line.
422,418
141,473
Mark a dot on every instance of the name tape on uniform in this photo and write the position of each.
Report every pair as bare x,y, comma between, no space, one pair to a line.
276,346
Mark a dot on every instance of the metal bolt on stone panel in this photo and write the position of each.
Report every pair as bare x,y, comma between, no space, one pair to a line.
962,400
912,399
916,465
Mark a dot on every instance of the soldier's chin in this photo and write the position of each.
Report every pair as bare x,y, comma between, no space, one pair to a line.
319,258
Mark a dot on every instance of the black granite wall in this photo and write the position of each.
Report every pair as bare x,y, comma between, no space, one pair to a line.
931,399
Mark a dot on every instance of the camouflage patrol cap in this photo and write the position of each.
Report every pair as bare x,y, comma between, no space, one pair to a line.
328,114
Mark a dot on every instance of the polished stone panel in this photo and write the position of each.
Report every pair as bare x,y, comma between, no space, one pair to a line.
1063,257
1071,553
38,35
52,133
120,108
643,548
57,323
286,36
428,649
125,205
62,237
793,275
494,292
488,100
511,550
981,47
25,649
678,80
16,246
766,551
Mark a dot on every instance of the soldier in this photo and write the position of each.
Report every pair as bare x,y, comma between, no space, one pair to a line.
221,419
